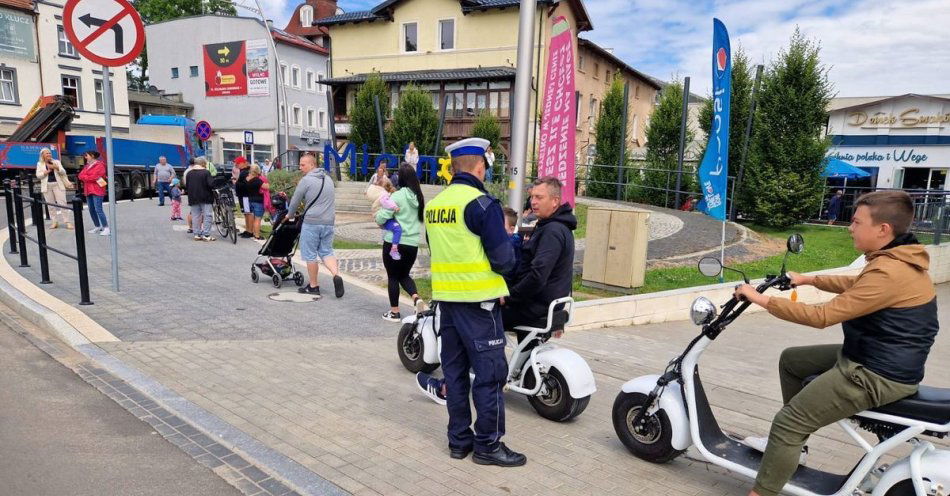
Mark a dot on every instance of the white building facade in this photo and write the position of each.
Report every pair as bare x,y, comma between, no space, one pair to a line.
248,100
37,60
903,141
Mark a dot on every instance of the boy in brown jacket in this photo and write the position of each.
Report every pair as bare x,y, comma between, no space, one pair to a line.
889,316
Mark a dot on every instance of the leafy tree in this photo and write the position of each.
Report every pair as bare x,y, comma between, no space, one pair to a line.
413,120
609,134
487,127
663,138
787,151
743,79
363,126
153,11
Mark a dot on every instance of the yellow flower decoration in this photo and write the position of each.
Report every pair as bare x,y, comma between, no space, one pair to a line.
445,171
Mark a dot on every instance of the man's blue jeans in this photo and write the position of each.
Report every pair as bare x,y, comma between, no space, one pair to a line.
163,188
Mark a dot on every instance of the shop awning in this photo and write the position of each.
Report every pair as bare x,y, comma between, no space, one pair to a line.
840,168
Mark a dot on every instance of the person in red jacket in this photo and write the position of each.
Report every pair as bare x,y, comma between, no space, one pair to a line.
93,177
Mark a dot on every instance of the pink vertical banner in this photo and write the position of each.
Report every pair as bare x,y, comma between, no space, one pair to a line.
559,115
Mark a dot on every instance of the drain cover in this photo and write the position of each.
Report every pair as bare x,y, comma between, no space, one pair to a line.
292,297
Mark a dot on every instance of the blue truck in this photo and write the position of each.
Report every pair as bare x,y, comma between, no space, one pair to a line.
134,155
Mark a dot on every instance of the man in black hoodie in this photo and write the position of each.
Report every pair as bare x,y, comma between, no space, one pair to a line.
547,264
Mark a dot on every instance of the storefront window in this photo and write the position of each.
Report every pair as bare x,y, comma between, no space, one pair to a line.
231,151
262,152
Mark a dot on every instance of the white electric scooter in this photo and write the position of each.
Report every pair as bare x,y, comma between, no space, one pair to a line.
557,381
658,417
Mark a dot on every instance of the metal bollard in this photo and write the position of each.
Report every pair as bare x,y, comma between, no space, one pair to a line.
81,252
40,226
20,224
11,220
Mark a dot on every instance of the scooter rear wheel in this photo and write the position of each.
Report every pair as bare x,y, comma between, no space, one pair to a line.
653,442
557,404
902,488
410,347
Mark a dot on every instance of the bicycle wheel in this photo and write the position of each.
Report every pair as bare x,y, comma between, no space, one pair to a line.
229,219
220,221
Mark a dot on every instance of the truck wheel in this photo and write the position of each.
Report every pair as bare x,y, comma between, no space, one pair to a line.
138,186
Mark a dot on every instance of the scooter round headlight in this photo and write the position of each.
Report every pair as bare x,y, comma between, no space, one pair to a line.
702,311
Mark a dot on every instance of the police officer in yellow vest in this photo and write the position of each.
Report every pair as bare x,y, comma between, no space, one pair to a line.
470,250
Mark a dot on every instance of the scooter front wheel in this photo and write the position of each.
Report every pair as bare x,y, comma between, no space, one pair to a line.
556,403
410,347
652,440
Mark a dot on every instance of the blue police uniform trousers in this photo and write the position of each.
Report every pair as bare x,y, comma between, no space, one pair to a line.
473,338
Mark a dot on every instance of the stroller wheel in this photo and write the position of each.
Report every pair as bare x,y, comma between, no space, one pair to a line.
277,280
254,275
298,278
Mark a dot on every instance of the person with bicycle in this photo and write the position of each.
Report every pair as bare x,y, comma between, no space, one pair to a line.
200,199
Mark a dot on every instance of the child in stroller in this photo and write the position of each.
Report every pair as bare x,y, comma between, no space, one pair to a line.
275,258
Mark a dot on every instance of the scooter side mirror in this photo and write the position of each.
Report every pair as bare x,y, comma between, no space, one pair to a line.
710,266
795,243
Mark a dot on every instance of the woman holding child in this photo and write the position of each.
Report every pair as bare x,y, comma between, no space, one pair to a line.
399,254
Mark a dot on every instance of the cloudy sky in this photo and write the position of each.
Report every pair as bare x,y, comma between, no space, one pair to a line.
873,47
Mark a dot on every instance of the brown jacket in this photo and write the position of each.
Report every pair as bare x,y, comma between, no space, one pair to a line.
888,312
896,277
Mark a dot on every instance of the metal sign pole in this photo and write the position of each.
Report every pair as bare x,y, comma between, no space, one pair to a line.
521,106
113,238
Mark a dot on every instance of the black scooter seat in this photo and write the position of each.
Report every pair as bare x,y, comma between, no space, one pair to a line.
929,404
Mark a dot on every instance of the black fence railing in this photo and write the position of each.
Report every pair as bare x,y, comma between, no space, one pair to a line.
16,225
931,209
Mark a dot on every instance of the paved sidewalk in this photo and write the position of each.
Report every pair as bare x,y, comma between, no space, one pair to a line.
346,409
173,287
320,382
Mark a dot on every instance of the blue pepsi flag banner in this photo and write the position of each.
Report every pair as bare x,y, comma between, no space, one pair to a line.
714,169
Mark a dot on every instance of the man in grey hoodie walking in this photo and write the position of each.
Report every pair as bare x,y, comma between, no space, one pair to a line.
316,194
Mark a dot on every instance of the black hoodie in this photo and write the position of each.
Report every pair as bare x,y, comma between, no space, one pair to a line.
546,270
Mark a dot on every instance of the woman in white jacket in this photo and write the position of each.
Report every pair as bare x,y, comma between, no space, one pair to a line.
53,184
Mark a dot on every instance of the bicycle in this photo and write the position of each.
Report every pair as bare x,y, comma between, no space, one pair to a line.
224,214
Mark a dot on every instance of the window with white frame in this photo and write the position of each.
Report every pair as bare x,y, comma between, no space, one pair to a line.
8,86
65,47
309,80
323,119
295,76
322,88
99,97
295,115
447,34
231,151
410,37
592,114
193,71
174,73
282,114
580,61
283,74
71,91
311,118
306,16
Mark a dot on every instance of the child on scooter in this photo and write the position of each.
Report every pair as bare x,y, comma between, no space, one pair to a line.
889,316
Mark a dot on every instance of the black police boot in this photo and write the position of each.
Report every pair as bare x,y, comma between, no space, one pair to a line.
459,453
503,457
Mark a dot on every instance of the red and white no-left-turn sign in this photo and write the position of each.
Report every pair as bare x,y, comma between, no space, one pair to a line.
108,32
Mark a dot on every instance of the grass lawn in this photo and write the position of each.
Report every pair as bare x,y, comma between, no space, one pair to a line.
825,248
580,211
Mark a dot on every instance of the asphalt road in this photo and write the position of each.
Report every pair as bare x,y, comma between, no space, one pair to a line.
59,435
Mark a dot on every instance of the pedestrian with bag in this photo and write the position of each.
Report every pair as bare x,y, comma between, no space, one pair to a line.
315,191
254,187
94,184
470,251
162,181
53,185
